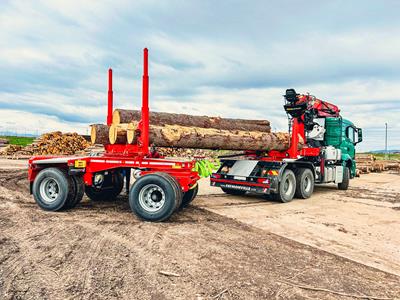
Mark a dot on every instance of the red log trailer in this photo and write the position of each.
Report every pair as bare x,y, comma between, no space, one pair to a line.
164,185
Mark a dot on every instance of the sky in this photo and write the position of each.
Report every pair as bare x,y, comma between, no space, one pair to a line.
216,58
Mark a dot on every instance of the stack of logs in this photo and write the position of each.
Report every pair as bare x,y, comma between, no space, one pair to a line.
3,143
50,143
188,131
58,143
367,163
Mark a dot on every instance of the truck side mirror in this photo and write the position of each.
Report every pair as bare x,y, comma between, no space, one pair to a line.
360,137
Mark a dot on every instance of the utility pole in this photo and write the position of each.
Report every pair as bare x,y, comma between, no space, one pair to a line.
386,149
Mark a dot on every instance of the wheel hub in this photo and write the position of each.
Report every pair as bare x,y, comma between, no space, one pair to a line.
49,190
152,198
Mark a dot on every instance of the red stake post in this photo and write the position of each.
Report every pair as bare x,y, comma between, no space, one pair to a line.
110,98
145,103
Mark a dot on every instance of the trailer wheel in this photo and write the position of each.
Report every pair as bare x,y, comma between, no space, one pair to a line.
79,191
178,188
233,192
106,193
52,189
287,187
189,196
304,183
344,185
153,197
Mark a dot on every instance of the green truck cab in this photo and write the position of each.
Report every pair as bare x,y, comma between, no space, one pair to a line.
342,134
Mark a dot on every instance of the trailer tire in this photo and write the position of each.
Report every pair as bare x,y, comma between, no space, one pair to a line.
304,183
189,196
106,194
79,191
153,197
178,188
52,188
287,187
233,192
344,185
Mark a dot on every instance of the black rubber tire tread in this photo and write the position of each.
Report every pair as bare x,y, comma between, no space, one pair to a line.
300,176
189,196
344,185
233,192
170,192
280,196
79,186
65,183
96,194
178,188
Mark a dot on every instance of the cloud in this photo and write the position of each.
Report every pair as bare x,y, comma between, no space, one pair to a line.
216,58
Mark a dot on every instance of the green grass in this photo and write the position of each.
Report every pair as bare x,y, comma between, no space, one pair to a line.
390,156
18,140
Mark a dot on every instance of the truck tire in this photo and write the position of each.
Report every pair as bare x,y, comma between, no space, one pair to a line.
233,192
52,188
153,197
344,185
106,193
189,196
304,183
79,191
287,187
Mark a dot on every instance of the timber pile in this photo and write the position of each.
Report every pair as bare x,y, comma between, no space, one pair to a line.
58,143
189,153
3,143
187,131
10,149
367,163
50,143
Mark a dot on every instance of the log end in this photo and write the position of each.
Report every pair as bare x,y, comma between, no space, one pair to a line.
112,134
116,119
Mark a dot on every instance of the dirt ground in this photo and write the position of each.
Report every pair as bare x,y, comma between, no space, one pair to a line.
222,247
362,223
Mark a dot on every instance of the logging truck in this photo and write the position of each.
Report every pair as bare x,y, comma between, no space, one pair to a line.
318,149
321,150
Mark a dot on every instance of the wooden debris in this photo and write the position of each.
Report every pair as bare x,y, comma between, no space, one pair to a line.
357,296
166,273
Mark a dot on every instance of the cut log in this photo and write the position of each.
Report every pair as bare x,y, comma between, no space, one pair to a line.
119,133
99,134
211,138
163,118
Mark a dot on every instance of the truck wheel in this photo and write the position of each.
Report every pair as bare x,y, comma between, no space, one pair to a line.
304,183
79,191
153,197
52,188
287,187
344,185
106,193
189,196
233,192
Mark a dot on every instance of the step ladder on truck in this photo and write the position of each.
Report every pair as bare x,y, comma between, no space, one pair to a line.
163,187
